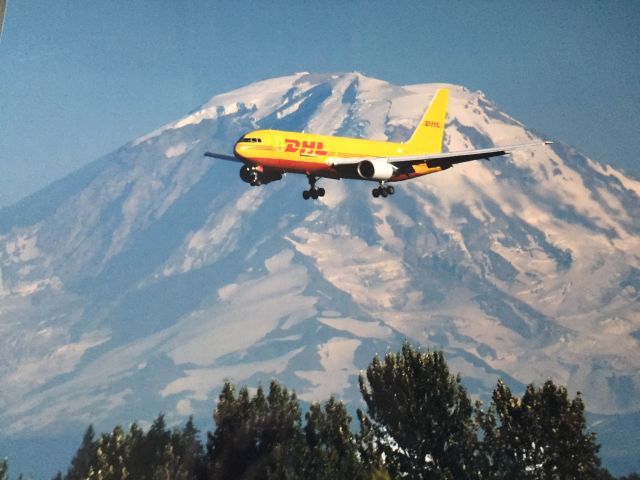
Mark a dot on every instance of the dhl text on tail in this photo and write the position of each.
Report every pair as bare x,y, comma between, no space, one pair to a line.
268,154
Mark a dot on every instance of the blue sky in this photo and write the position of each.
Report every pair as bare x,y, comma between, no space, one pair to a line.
79,79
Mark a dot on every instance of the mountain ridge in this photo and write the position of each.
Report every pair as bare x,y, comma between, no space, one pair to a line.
154,272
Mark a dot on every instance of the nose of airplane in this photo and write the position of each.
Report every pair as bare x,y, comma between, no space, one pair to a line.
243,147
237,149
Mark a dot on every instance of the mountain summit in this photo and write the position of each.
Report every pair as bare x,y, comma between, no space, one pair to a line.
142,281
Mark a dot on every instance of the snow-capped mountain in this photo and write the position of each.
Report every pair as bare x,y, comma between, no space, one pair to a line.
142,281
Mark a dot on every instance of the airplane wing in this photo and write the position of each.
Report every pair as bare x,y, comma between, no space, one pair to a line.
443,160
223,156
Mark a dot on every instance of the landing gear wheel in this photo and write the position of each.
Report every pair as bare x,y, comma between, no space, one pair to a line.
254,179
383,191
313,192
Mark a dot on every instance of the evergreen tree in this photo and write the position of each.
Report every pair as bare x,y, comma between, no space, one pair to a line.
111,455
418,425
258,437
539,436
84,456
187,454
137,460
149,455
177,455
369,445
421,417
159,454
332,450
4,469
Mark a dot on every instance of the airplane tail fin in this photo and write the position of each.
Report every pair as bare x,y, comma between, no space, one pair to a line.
428,135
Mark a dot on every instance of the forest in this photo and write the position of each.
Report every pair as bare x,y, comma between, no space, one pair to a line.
419,423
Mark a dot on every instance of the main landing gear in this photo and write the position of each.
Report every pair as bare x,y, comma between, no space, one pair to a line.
383,190
313,191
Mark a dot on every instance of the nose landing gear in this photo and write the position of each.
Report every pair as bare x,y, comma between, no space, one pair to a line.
313,191
383,190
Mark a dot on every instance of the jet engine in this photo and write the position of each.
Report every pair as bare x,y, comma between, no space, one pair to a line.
255,177
375,170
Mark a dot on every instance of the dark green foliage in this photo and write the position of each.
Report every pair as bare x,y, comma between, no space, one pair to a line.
111,456
159,454
257,437
419,417
81,461
332,451
419,424
4,468
187,447
155,448
539,436
262,437
369,444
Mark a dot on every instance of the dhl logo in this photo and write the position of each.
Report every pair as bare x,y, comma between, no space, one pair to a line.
304,147
430,123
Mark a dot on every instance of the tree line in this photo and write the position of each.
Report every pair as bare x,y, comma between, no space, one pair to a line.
419,423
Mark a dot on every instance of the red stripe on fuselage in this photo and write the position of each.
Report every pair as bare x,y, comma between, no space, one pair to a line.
317,168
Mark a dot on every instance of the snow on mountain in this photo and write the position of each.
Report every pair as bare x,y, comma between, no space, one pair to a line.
141,282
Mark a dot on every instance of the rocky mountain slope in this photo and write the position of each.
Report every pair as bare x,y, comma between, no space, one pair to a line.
142,281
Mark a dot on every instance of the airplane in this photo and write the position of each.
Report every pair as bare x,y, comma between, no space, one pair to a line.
267,155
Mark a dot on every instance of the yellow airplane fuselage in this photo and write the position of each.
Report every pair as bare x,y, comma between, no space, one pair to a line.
312,154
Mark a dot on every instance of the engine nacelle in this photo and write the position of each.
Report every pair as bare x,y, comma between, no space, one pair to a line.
375,170
255,177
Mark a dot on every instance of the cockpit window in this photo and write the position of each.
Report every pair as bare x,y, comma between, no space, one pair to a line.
250,140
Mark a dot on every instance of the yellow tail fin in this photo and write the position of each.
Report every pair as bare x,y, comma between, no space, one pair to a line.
428,135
